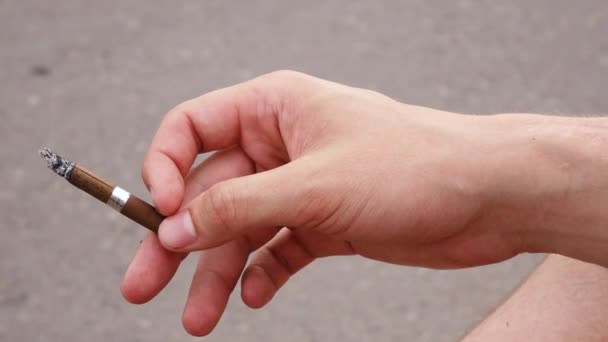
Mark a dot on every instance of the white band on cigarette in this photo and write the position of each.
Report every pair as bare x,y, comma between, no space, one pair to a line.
118,199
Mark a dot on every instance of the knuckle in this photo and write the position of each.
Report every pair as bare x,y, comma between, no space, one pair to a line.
317,209
330,207
220,207
144,171
187,107
370,93
314,200
183,108
285,76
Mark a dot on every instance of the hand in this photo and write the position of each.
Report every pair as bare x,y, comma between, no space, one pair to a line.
349,171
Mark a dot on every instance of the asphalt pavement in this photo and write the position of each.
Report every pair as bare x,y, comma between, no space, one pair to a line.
92,79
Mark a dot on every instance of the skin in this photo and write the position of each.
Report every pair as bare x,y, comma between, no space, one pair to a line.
351,171
563,300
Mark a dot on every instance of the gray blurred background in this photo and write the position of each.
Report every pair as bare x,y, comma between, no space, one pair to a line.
92,79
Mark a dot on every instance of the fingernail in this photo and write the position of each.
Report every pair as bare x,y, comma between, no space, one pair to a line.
177,231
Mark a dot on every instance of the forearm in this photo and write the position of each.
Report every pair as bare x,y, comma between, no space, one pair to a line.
563,300
550,179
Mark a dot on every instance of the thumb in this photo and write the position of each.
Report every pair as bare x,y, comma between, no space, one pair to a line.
232,208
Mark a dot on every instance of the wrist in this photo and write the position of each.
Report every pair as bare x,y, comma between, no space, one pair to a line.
550,183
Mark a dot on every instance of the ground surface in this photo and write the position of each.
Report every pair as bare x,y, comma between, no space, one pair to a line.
93,78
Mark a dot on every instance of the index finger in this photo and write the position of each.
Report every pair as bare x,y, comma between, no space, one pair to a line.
203,124
211,122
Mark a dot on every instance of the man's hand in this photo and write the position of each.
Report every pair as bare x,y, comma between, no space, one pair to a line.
348,171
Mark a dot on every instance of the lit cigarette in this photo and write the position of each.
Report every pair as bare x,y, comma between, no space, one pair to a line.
121,200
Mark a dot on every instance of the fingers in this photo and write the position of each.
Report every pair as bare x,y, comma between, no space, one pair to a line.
212,122
287,253
235,207
153,266
217,273
219,269
150,271
220,166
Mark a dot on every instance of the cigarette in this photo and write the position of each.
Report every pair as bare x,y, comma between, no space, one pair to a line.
116,197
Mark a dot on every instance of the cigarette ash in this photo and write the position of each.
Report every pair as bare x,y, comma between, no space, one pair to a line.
57,163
